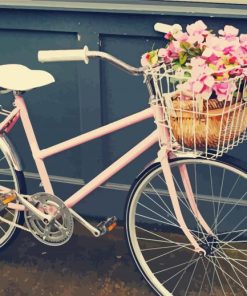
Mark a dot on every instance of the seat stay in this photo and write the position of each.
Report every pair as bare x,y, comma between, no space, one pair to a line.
8,123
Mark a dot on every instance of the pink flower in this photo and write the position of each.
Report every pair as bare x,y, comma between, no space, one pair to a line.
236,72
198,28
224,89
163,53
199,68
170,53
243,43
229,50
210,56
243,38
229,32
145,60
197,62
168,36
181,36
215,43
199,38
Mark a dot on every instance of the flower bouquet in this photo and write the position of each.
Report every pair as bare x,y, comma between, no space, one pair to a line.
207,107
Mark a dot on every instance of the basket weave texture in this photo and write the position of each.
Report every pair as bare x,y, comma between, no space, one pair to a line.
218,124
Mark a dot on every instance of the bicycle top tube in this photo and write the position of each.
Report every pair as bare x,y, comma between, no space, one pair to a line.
84,55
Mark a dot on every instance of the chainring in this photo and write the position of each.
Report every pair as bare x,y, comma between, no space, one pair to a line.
60,229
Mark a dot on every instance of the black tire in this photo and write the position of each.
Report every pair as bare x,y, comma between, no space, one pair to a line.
237,167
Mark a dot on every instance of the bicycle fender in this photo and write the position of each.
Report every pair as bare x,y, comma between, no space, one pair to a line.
7,146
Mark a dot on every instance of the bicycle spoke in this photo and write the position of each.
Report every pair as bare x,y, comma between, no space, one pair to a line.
224,256
233,248
225,273
185,268
204,277
226,279
234,230
7,181
173,267
184,271
212,190
147,208
160,221
2,158
10,212
219,198
191,277
164,254
2,229
213,277
234,268
232,208
233,187
167,212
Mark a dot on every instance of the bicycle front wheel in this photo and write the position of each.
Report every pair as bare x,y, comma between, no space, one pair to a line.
159,247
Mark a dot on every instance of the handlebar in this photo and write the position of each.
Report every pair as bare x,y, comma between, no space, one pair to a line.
84,55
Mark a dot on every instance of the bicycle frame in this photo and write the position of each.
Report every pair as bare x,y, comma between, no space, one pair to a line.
39,155
160,135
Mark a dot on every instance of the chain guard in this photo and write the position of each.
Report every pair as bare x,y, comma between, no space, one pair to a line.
59,230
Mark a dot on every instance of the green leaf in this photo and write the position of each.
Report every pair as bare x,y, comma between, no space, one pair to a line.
176,66
185,45
183,57
192,52
187,74
154,59
198,51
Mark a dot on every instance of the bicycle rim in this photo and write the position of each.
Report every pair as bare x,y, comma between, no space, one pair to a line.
163,253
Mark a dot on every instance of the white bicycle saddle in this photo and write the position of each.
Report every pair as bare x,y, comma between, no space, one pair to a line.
21,78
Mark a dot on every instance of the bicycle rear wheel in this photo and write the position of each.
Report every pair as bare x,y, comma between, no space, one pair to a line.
161,250
12,179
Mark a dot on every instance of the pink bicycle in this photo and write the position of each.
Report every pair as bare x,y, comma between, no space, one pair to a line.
186,211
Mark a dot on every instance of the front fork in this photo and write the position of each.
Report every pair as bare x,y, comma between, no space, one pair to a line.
165,148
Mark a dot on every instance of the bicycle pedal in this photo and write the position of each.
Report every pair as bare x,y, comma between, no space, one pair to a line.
107,225
6,198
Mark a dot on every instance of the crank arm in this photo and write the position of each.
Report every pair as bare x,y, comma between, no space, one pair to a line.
82,221
46,219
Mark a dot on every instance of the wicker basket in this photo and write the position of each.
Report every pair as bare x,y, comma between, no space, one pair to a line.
217,125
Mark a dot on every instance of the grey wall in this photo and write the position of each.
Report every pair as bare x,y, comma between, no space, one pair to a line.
86,96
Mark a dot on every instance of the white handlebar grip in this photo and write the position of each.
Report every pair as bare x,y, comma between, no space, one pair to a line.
163,28
63,55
